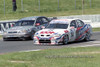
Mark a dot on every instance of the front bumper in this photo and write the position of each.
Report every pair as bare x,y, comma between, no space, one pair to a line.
13,36
51,41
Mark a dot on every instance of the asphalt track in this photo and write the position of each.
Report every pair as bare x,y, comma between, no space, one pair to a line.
17,46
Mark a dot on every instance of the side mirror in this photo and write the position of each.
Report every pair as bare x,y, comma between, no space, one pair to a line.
37,24
42,27
72,27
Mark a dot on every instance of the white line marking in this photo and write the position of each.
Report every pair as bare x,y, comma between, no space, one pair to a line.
88,45
30,50
96,42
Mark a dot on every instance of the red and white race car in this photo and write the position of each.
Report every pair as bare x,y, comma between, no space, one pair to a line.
62,31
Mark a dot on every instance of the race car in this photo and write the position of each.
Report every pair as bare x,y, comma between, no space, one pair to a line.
62,31
25,28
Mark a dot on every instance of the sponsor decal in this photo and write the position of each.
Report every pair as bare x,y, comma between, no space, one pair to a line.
82,34
79,28
66,31
47,32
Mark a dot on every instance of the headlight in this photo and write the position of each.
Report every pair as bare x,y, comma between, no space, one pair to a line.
29,30
26,31
57,35
36,34
5,32
23,31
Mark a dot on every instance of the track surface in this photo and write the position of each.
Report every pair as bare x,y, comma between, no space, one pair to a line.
15,46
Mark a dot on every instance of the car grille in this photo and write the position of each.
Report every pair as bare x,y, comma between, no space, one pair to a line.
44,41
12,32
45,35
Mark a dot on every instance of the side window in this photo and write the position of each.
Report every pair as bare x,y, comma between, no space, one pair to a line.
80,23
44,20
73,23
39,21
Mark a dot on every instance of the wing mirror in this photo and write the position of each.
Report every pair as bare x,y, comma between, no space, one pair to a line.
37,24
42,27
72,27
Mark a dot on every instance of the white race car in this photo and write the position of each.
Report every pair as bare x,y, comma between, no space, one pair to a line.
62,31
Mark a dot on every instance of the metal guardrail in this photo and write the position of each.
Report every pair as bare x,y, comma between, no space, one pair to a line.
94,20
6,24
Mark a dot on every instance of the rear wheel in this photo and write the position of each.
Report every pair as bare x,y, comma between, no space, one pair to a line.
65,40
87,37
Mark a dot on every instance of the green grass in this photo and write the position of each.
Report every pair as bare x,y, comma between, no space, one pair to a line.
96,29
47,8
0,36
64,57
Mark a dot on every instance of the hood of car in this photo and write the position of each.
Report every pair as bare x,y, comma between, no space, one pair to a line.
19,28
52,31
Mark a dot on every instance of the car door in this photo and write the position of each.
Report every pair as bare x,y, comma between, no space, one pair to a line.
73,30
79,31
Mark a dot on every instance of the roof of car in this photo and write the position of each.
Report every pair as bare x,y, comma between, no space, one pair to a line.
30,18
63,21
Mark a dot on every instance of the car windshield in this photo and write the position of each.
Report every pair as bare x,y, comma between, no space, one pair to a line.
24,23
55,26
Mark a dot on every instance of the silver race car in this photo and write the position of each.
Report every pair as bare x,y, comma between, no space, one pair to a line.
62,31
25,28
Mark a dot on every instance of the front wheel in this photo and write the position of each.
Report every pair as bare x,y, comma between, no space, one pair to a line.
65,40
23,39
32,35
4,39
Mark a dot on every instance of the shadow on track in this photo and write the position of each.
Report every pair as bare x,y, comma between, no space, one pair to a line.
69,43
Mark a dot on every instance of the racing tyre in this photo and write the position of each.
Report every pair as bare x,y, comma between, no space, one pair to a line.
4,39
87,37
32,36
23,39
65,40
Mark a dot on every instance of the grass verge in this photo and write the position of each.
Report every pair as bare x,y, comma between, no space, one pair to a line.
0,36
64,57
96,29
18,15
47,8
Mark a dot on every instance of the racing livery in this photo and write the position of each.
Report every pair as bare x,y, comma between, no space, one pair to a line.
62,31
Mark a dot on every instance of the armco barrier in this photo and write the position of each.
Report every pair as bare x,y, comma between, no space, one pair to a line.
6,24
94,20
